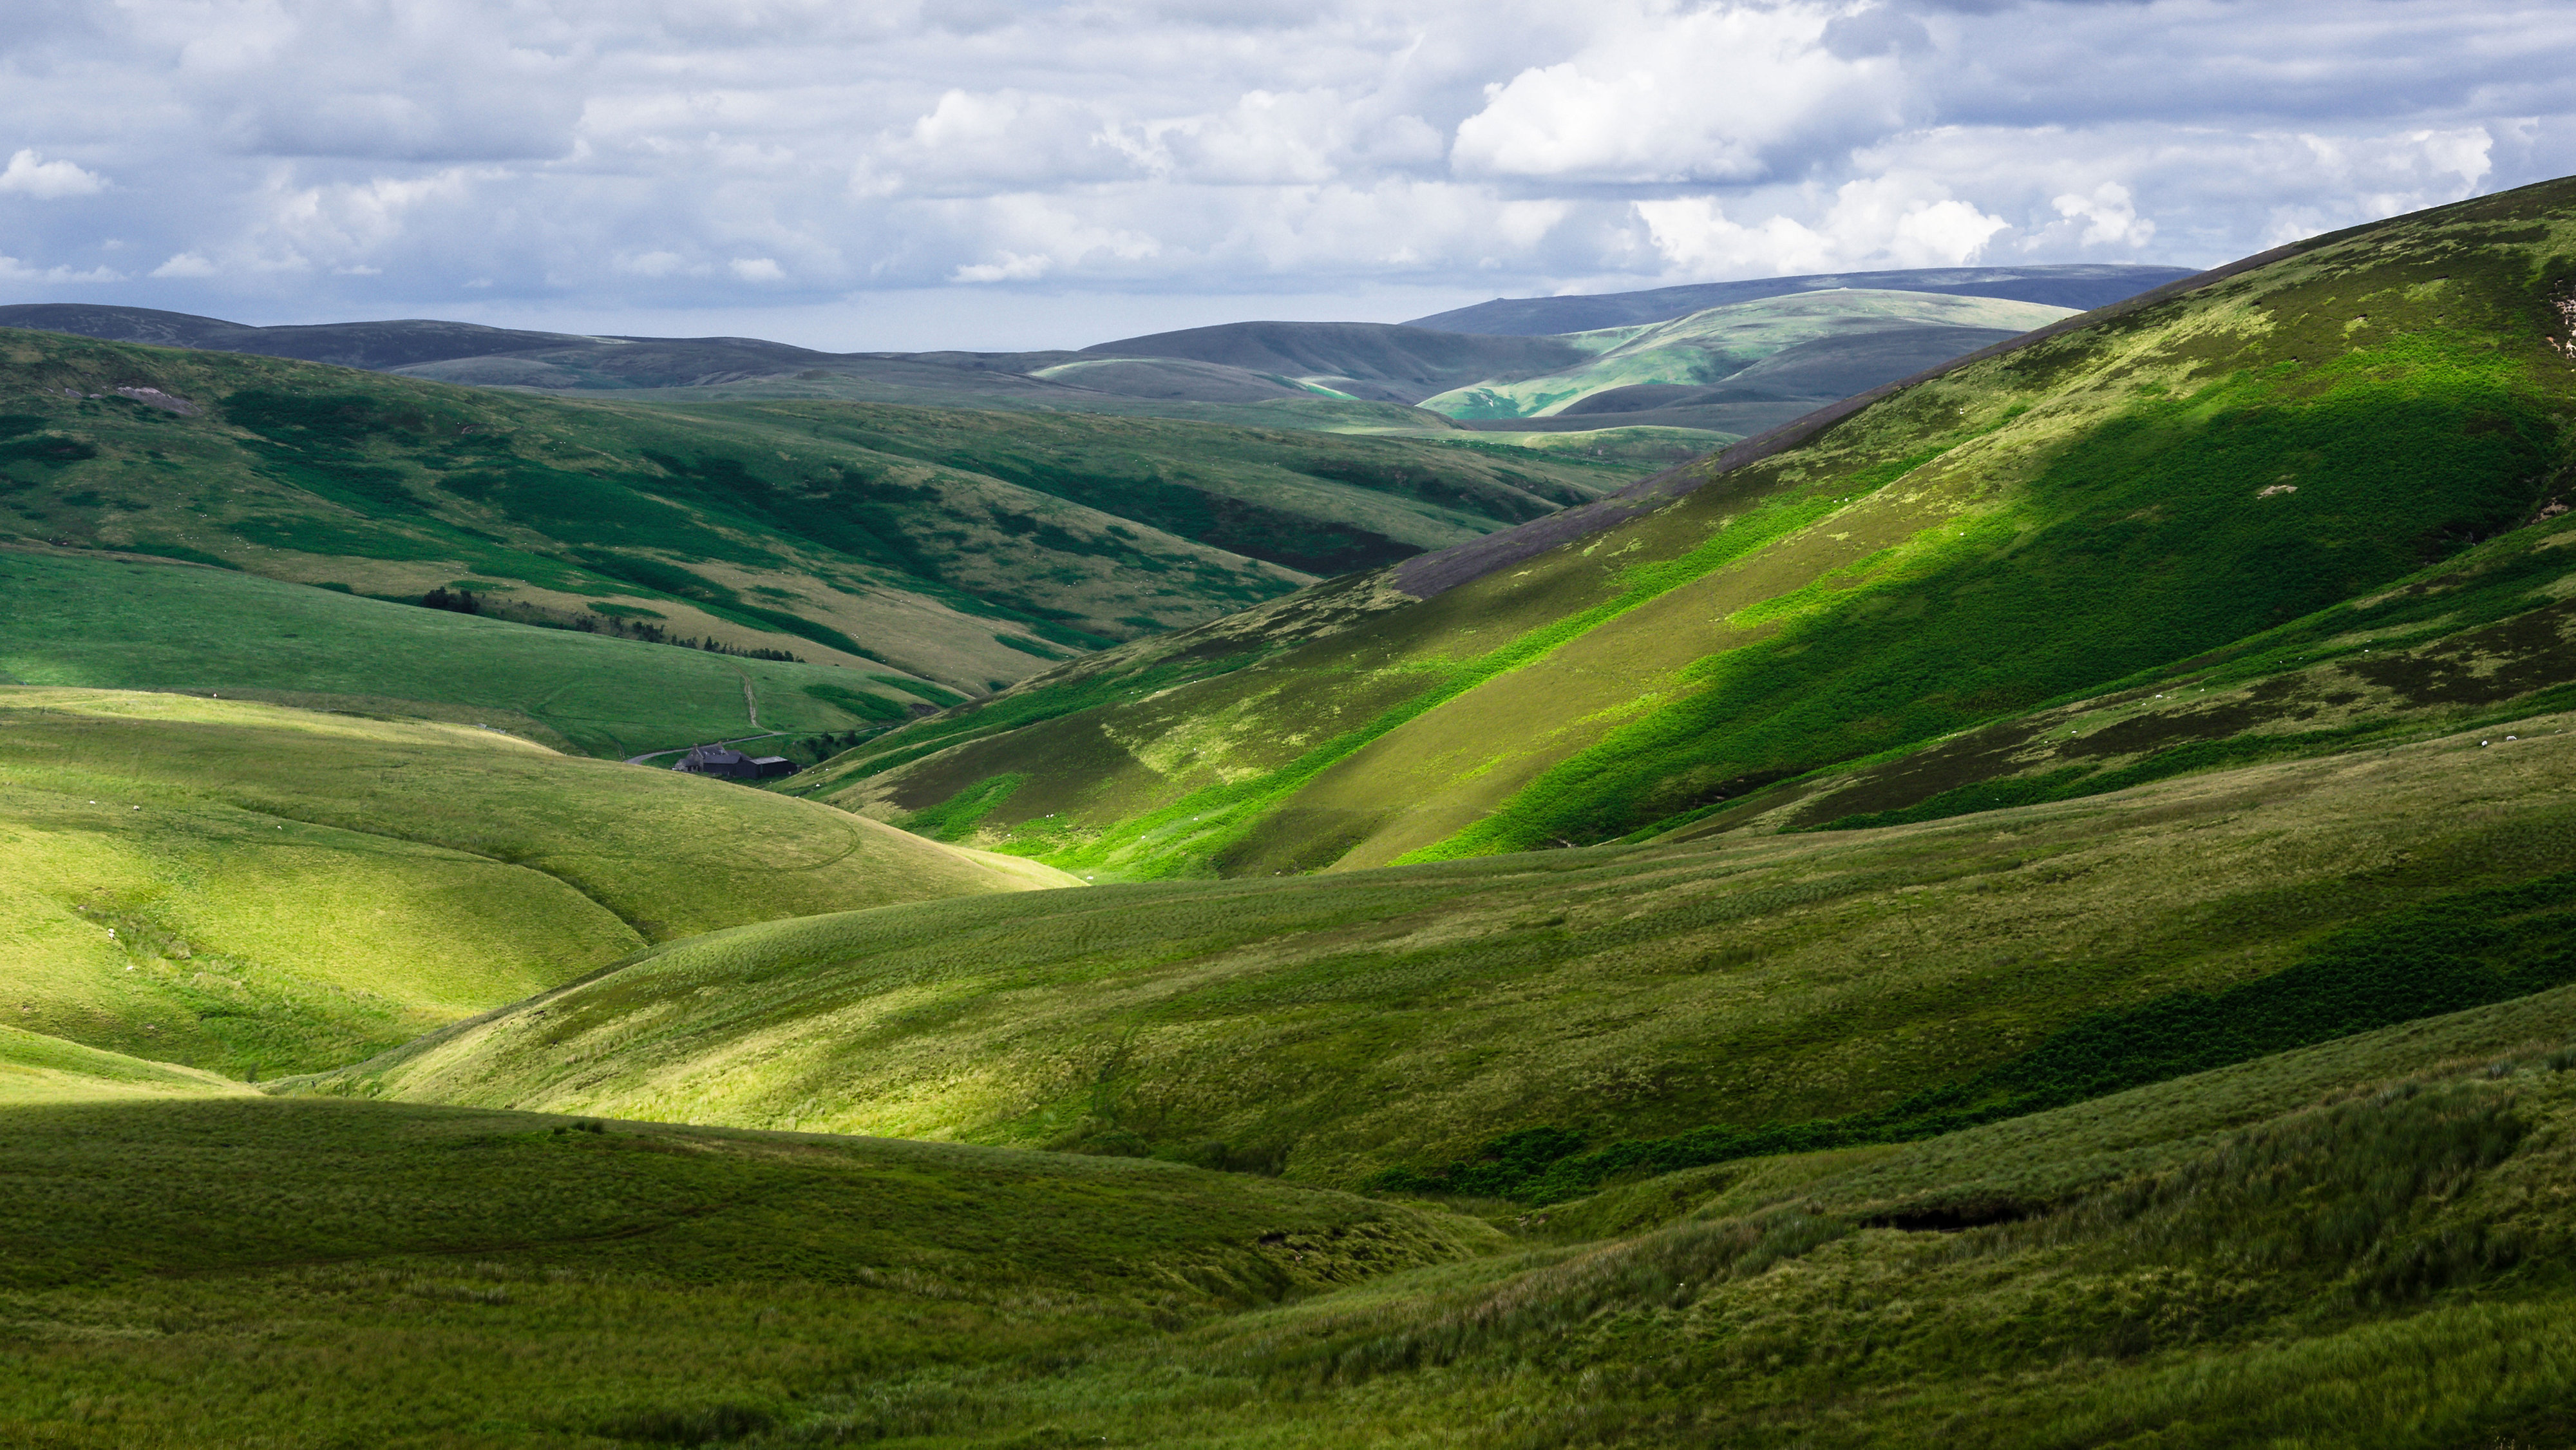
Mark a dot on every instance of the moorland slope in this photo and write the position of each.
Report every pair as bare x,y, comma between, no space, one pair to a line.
1606,1010
2121,494
238,886
944,546
2059,929
2363,1240
139,622
181,1274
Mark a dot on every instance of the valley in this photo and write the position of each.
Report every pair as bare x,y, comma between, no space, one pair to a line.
1834,860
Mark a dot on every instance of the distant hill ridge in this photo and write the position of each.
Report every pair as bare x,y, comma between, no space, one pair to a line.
2080,286
1377,360
1257,362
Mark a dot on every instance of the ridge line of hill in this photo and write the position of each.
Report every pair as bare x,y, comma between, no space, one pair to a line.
1426,575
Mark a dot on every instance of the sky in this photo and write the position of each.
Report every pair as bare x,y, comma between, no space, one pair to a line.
980,174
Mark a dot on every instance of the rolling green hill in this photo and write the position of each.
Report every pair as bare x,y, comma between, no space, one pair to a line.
35,1068
2363,1241
1818,988
2080,286
2034,527
813,529
2363,1244
2035,908
1732,343
137,622
1325,376
1161,377
1370,360
242,887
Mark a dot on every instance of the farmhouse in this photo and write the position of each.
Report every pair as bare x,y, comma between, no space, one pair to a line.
733,764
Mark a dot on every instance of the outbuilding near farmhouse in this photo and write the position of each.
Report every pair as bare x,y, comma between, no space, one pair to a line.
733,764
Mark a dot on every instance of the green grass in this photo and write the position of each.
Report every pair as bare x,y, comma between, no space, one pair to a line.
952,545
2164,486
2453,952
2364,1243
2141,545
2353,1248
129,625
1319,503
36,1069
302,1274
246,888
1646,1007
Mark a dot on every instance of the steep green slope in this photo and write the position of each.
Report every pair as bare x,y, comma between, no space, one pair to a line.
2031,527
137,622
243,887
1723,342
1633,1008
38,1069
300,1274
767,527
2481,636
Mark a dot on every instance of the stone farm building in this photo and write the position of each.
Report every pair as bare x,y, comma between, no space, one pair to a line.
733,764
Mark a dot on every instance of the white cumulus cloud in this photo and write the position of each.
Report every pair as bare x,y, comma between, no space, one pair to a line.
13,270
586,159
1723,93
1882,223
2108,216
29,174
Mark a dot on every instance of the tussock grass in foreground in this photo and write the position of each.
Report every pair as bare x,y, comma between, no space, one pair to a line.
308,1274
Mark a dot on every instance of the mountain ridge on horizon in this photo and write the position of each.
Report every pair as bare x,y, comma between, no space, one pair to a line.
1333,376
2082,286
167,328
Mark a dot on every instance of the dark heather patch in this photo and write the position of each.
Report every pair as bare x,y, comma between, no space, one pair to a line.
2141,733
1975,756
2529,652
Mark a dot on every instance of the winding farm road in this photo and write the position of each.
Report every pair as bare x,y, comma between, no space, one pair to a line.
685,749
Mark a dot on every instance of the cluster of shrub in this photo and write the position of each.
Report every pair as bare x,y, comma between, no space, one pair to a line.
465,601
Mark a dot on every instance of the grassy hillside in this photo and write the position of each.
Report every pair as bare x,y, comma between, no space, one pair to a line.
2363,1242
2029,529
1323,505
241,887
305,1274
1611,1010
36,1069
1723,342
2361,1245
137,622
775,528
